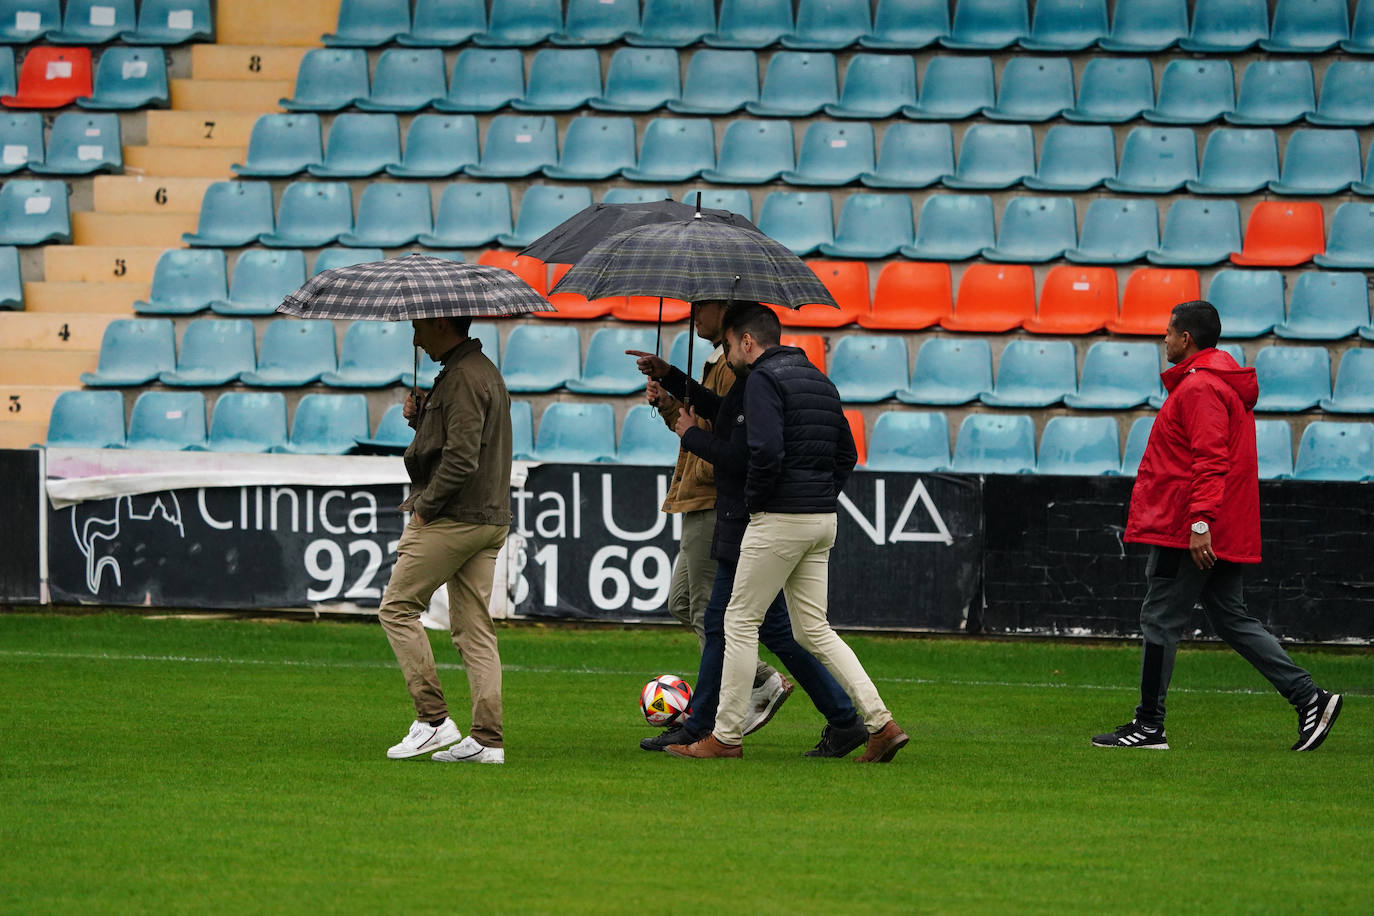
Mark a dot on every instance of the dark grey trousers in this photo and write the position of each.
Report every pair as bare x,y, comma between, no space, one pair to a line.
1176,585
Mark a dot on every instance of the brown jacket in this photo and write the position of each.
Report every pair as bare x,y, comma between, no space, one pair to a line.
694,481
459,461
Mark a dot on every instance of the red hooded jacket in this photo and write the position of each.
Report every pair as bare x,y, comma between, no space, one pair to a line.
1200,463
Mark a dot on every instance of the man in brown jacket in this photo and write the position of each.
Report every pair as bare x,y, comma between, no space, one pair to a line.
459,504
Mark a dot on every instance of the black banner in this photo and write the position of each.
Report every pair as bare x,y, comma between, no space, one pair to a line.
21,472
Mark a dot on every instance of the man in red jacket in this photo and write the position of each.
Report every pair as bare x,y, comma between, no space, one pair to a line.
1196,503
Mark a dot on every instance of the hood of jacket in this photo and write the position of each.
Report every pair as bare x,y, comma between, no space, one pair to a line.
1223,366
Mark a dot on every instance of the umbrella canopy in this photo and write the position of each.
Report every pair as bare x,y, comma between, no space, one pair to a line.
697,260
416,286
581,232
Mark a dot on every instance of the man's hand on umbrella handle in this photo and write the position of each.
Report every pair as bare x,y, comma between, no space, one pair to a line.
651,365
1200,546
656,395
411,408
686,420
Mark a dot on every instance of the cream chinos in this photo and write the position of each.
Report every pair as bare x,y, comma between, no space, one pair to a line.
790,552
463,556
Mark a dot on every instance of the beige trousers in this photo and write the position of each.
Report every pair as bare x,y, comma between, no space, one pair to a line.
463,556
790,552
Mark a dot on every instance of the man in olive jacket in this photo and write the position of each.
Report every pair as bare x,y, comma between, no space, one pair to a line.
459,466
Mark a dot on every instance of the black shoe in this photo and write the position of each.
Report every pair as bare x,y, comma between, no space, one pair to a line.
1315,718
1133,734
675,735
840,742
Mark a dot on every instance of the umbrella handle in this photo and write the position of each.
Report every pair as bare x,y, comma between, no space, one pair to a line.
415,389
691,335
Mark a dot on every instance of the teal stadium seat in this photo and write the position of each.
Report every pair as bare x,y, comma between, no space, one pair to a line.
369,23
261,280
246,421
736,200
329,79
406,79
82,144
390,215
1079,447
1117,376
470,214
1237,161
1249,302
1136,439
1353,391
27,21
522,430
1292,379
954,88
645,440
987,25
185,281
541,357
561,79
1194,92
484,79
907,25
172,22
34,213
909,440
753,152
1116,232
640,79
912,156
718,82
1227,26
167,421
995,444
359,146
876,86
1307,26
1274,449
282,145
949,371
872,226
1326,305
833,153
1114,90
674,23
1274,92
1347,98
312,214
233,213
1146,25
94,22
801,220
674,149
597,22
595,148
993,156
392,436
1066,25
1366,187
445,23
21,141
214,351
87,419
517,146
826,25
606,369
1033,373
1361,39
437,146
797,84
677,354
11,280
1319,163
1336,451
327,424
521,23
127,79
576,433
1198,232
1351,240
133,351
294,353
1033,89
751,23
1034,230
330,258
1074,158
952,227
374,354
542,208
867,368
1156,160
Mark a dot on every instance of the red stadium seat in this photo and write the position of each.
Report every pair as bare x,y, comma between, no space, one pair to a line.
812,344
645,308
1151,294
52,78
1282,233
856,426
1075,300
911,295
993,299
847,282
573,306
532,270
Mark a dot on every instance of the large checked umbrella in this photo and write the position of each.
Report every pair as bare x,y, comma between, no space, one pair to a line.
583,231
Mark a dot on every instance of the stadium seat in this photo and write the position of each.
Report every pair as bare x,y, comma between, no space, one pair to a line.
992,299
27,21
470,214
736,200
21,139
646,440
233,213
1292,379
797,84
390,215
987,25
907,25
282,145
1282,233
294,353
1194,92
168,421
640,79
129,78
571,306
1274,449
185,282
1146,25
872,226
867,368
374,354
82,144
132,352
1351,242
542,208
954,88
445,23
1308,26
327,424
677,354
828,24
11,280
246,421
522,430
1074,158
1075,300
437,146
876,86
369,23
1079,447
1114,90
392,436
1366,188
1035,229
606,369
753,152
910,296
517,146
561,79
860,434
1250,302
541,357
262,279
1149,298
1336,451
1156,160
1198,232
1066,25
597,22
1353,391
576,432
1134,450
1227,26
1116,232
949,370
994,156
94,22
34,213
484,79
360,145
912,156
674,149
1347,98
812,345
751,23
329,79
532,270
214,351
52,78
1033,373
1117,376
952,227
909,440
312,214
1361,39
674,23
995,444
87,419
1318,163
406,79
847,282
1237,161
833,153
594,149
1033,89
331,258
801,220
1274,92
521,23
718,82
1326,305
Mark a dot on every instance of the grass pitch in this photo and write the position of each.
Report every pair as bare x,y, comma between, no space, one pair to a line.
233,766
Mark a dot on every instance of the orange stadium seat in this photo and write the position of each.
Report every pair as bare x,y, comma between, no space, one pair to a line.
532,270
1282,233
847,282
1075,300
910,296
52,78
1151,294
813,345
646,308
993,299
856,426
573,306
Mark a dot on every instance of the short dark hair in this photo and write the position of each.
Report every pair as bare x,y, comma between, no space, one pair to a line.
461,326
1200,319
758,321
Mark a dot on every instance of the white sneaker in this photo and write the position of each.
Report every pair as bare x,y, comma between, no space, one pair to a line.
469,751
424,738
765,700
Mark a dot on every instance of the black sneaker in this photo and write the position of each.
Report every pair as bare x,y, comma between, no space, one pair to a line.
1315,718
675,735
840,742
1133,734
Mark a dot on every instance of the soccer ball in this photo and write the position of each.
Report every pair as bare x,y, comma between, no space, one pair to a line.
665,700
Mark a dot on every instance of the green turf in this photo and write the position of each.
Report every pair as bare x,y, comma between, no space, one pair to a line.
235,766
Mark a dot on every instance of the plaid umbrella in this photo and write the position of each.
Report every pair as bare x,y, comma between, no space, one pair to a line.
416,286
581,232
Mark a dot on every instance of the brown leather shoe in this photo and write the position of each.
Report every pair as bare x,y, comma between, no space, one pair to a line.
884,744
710,746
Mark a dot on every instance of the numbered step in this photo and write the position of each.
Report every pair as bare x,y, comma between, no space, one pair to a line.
46,367
213,127
245,62
140,194
139,229
28,403
53,331
229,95
115,298
99,264
184,162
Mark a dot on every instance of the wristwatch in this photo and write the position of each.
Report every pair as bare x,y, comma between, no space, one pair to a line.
1200,528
